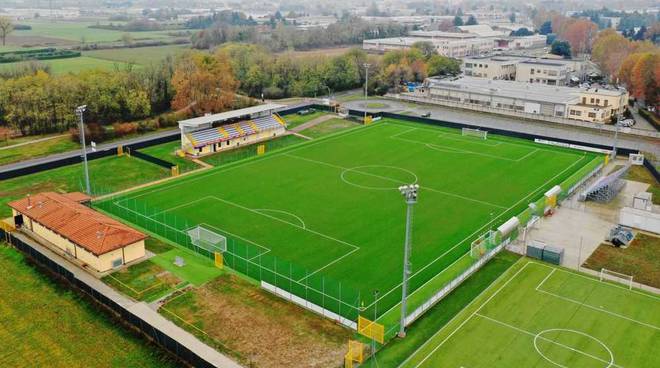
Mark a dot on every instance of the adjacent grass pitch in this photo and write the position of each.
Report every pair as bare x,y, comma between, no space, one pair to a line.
331,206
543,316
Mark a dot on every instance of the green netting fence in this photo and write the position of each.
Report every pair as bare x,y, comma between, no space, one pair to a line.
571,183
248,259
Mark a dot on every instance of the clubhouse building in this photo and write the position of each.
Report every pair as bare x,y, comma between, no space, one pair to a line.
63,223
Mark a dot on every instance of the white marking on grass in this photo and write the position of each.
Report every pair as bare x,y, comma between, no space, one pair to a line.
357,170
465,321
538,336
469,236
300,220
545,279
394,180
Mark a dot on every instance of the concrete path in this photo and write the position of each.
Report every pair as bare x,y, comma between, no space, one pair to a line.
547,129
33,141
313,122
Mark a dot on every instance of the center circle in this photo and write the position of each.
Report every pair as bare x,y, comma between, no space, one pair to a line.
540,334
381,173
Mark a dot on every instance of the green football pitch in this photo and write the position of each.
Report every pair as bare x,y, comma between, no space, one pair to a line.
543,316
331,207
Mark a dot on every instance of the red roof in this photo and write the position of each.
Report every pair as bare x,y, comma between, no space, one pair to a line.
63,214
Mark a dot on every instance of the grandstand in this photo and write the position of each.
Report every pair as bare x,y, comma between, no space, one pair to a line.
218,132
607,187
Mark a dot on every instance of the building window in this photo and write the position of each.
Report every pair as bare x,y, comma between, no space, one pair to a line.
605,102
117,263
597,101
592,100
584,100
592,115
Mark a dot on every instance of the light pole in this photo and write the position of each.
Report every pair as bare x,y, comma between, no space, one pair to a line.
409,192
616,135
366,89
80,110
373,338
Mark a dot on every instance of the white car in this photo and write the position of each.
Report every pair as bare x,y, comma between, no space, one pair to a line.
627,123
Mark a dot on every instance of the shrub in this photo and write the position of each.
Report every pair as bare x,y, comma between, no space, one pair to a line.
122,129
148,125
93,132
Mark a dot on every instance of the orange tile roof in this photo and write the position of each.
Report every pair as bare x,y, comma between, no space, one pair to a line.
61,213
78,197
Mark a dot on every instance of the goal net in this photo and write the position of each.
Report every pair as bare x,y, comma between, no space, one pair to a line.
483,244
208,240
474,133
619,277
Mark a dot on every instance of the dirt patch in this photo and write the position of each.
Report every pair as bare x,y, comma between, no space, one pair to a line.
641,259
262,329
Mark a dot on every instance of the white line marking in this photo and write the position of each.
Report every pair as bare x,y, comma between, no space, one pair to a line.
545,279
394,180
537,336
300,220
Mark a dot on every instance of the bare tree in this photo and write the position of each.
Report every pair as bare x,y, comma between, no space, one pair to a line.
6,27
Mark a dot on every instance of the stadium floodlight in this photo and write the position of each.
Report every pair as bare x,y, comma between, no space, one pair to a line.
617,125
366,89
80,110
409,192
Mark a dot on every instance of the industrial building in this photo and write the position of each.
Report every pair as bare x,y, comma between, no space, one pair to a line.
551,71
455,47
516,98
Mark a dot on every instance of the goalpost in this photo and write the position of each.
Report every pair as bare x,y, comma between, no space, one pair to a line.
208,240
483,134
619,277
483,244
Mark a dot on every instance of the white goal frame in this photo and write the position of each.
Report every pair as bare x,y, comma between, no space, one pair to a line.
206,239
483,134
619,277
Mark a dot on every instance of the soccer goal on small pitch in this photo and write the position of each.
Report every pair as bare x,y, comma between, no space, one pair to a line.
208,240
474,133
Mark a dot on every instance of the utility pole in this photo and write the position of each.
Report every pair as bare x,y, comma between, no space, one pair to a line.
80,110
366,89
373,339
409,192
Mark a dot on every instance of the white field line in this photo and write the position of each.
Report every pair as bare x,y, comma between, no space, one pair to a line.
239,237
437,147
502,142
466,320
469,236
300,220
535,335
213,172
545,279
394,180
462,138
612,285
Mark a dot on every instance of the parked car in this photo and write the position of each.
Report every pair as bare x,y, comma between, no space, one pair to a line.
426,115
627,123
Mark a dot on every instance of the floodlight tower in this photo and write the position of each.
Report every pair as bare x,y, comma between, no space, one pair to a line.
409,192
617,125
366,89
80,110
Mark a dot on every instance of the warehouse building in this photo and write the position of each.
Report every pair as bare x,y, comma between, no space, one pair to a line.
64,223
455,47
585,104
556,72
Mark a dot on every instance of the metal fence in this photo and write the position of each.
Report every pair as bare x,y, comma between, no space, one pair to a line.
244,257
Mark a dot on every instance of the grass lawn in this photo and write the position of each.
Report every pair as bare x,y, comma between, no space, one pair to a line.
138,55
641,259
107,175
424,328
197,270
77,31
28,151
143,281
45,324
325,219
258,328
642,174
544,316
75,65
22,139
293,120
167,152
328,127
224,158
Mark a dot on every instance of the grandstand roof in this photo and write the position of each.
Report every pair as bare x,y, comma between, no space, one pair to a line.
214,118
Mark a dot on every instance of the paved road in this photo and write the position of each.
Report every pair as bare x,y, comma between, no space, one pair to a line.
501,122
76,153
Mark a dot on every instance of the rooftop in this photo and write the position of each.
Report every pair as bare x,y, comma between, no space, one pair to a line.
520,90
214,118
66,216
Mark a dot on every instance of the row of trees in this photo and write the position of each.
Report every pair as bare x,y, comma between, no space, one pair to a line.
636,64
41,103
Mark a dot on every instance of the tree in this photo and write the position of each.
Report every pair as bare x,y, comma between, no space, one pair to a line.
546,28
6,27
442,65
205,83
458,21
645,78
609,50
127,39
512,17
472,21
561,48
427,49
520,32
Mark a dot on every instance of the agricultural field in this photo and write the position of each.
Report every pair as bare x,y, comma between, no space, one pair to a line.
544,316
139,56
325,220
45,324
75,65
